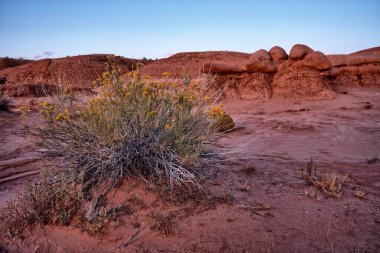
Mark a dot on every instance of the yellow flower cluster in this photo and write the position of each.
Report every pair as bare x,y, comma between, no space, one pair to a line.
24,109
151,113
166,75
216,111
60,116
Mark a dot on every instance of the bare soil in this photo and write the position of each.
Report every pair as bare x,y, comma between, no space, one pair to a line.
257,200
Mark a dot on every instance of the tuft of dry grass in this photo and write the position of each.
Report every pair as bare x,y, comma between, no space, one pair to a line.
329,185
311,192
359,193
53,199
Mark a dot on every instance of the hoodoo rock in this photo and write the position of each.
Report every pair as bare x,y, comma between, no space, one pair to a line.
278,53
260,61
299,51
317,60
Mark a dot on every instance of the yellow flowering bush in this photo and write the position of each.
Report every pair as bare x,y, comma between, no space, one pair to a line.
160,131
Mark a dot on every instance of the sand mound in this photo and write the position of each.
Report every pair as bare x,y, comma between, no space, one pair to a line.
77,72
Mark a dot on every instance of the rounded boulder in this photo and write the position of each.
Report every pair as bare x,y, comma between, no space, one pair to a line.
317,60
299,51
278,53
260,61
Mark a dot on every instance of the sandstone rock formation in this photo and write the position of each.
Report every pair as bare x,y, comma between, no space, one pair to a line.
266,75
361,68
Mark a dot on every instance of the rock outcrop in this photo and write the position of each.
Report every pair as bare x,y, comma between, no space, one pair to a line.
317,61
358,69
273,74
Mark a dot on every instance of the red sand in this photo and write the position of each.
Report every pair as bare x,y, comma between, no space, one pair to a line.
278,137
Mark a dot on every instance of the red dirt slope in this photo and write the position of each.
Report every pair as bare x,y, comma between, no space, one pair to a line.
11,62
191,63
77,71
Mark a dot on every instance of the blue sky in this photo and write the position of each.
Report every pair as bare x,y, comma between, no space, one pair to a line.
156,29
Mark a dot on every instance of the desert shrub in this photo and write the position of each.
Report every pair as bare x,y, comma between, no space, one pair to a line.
53,199
140,127
4,103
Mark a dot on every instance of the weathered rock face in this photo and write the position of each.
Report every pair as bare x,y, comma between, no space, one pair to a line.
358,69
298,51
295,80
317,61
278,53
246,86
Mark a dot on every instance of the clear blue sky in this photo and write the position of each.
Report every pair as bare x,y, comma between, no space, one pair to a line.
159,28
